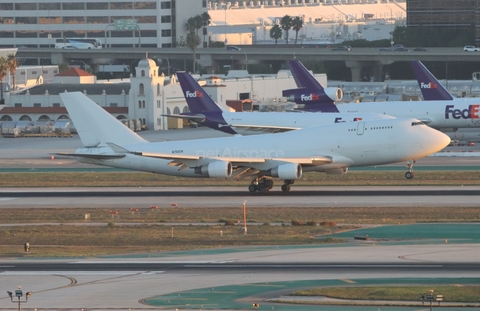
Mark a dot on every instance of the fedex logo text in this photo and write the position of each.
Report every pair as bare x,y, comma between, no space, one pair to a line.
429,85
472,112
193,94
310,97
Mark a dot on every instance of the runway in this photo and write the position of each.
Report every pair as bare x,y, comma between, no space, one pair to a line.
345,196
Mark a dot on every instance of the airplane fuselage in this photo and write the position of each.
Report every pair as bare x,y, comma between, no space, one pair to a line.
347,144
458,113
249,123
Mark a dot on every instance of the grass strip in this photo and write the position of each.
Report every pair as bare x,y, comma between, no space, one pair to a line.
451,293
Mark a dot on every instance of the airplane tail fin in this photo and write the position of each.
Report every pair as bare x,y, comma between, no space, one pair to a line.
95,126
198,100
303,77
429,85
310,93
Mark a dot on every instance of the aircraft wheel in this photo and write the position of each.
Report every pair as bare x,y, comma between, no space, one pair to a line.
285,188
268,183
409,175
252,188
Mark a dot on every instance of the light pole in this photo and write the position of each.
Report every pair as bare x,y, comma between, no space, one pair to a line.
246,61
168,64
19,295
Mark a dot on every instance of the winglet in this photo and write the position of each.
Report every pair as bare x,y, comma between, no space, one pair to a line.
198,100
429,86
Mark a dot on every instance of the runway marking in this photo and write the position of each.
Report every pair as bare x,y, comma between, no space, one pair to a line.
158,261
78,272
349,281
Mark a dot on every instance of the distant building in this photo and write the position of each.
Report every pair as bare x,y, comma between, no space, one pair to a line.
147,97
40,23
447,14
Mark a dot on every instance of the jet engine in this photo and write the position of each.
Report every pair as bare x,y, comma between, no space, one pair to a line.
303,96
287,171
215,169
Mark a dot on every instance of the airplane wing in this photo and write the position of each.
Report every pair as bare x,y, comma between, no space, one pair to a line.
196,117
185,161
264,128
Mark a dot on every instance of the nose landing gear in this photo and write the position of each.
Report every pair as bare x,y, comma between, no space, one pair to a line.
410,174
286,185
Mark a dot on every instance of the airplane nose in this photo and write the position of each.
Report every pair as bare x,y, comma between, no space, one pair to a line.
438,140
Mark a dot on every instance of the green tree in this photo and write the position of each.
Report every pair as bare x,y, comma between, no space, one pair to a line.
12,64
297,24
192,42
205,22
3,73
286,24
276,33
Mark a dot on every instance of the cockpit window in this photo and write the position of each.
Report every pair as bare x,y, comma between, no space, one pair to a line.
417,123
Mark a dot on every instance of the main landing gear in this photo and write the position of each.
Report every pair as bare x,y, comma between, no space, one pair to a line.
286,185
262,185
410,174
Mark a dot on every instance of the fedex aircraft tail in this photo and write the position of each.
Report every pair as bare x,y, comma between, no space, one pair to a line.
95,126
429,85
198,100
311,94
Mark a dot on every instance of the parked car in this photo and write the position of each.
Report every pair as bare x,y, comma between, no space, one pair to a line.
401,49
470,48
233,48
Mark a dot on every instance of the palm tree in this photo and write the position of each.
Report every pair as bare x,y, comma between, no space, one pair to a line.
12,64
286,23
190,25
205,22
276,33
297,24
192,42
3,73
198,22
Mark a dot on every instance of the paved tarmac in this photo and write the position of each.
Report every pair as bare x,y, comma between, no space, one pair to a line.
111,286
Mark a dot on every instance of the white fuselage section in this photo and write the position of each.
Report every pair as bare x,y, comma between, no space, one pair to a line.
347,144
250,123
457,113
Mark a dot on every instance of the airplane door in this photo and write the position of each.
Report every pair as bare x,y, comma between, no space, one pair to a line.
360,128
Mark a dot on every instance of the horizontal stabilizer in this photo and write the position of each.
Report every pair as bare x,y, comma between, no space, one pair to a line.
91,156
197,117
265,128
117,149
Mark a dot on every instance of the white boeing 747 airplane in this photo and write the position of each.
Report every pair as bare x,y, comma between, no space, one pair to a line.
325,148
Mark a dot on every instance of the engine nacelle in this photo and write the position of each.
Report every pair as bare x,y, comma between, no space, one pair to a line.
220,169
287,171
304,96
337,171
334,93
